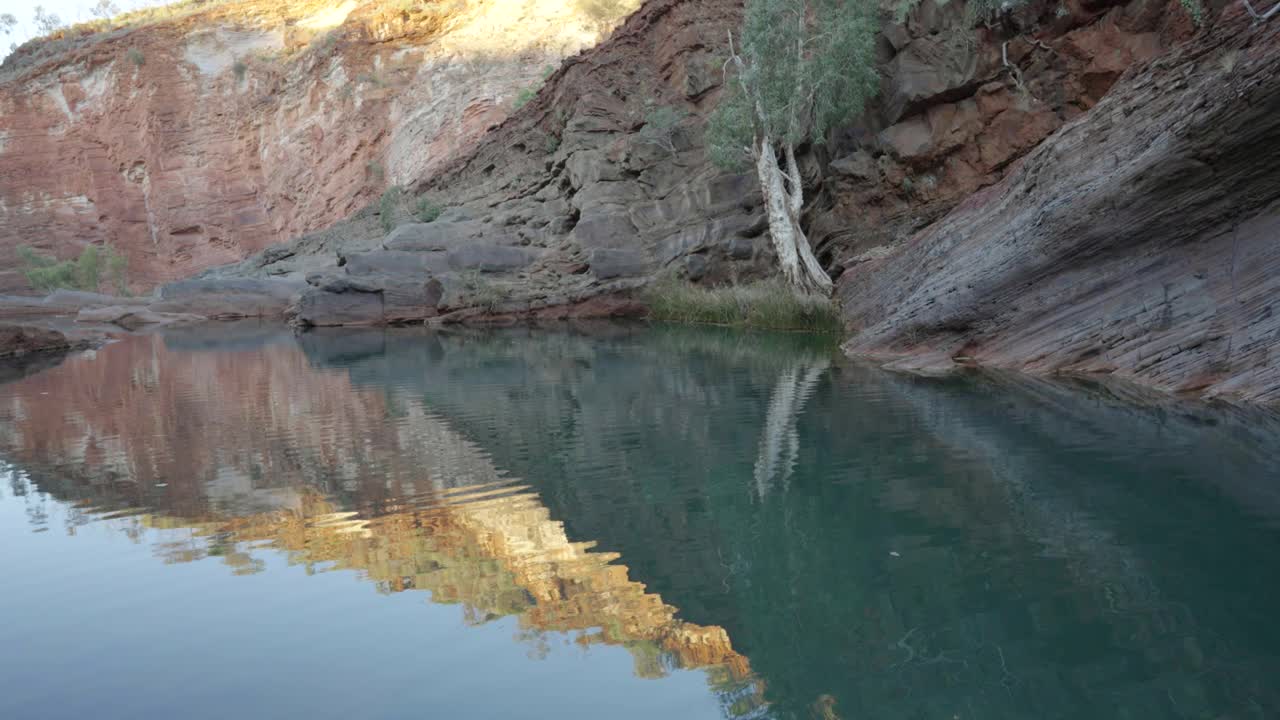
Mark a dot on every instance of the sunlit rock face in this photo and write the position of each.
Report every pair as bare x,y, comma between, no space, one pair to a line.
198,138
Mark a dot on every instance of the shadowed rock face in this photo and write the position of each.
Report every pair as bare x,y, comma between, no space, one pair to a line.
1137,241
574,177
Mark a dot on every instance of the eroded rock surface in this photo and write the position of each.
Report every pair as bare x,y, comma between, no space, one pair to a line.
1138,241
203,137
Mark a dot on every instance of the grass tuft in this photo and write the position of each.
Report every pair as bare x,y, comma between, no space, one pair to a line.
768,304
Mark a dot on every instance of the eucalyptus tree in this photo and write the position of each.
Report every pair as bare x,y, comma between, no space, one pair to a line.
797,69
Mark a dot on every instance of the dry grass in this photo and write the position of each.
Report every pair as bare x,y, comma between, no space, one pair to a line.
768,304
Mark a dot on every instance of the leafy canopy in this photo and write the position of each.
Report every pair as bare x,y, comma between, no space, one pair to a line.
806,66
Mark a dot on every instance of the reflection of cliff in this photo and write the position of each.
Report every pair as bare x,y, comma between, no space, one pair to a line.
981,548
252,450
989,548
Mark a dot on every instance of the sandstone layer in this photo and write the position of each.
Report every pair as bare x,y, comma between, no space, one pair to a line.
200,137
1138,241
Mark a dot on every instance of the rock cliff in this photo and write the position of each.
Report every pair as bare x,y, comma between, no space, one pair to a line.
582,194
1081,186
1138,241
199,134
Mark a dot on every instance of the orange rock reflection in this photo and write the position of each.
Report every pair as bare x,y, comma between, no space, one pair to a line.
256,450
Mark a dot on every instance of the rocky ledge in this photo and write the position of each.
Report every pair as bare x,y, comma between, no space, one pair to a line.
1139,241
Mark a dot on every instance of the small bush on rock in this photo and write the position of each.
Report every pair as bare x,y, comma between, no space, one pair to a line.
389,207
46,273
427,211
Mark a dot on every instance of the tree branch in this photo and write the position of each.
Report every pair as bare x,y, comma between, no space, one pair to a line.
1263,17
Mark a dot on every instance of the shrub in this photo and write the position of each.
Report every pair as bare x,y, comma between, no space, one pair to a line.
136,57
47,274
389,207
660,127
524,96
482,292
427,211
239,68
768,304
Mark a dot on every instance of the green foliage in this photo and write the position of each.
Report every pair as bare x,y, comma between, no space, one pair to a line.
389,207
1195,9
324,43
551,144
239,68
427,211
806,66
47,274
374,169
46,23
729,131
659,127
136,57
769,304
524,96
104,10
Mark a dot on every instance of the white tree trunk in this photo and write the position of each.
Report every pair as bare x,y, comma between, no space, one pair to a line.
801,269
780,442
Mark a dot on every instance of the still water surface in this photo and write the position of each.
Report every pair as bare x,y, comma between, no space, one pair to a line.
620,522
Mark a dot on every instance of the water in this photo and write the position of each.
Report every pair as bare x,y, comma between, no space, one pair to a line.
620,522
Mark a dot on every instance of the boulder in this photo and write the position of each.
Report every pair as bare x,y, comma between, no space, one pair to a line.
320,307
395,263
604,230
77,299
19,340
438,236
225,298
695,267
134,317
606,263
929,70
491,258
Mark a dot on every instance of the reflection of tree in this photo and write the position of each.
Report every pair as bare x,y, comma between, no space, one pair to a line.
780,443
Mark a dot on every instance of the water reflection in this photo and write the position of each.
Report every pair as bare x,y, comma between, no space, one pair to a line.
254,452
876,546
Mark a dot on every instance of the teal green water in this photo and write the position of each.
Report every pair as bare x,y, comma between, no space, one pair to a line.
620,521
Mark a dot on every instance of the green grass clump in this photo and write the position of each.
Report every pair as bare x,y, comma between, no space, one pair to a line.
770,304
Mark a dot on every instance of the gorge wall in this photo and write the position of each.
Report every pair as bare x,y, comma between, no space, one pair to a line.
198,137
1080,186
1139,241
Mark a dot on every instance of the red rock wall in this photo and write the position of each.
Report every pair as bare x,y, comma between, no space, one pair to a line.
247,124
